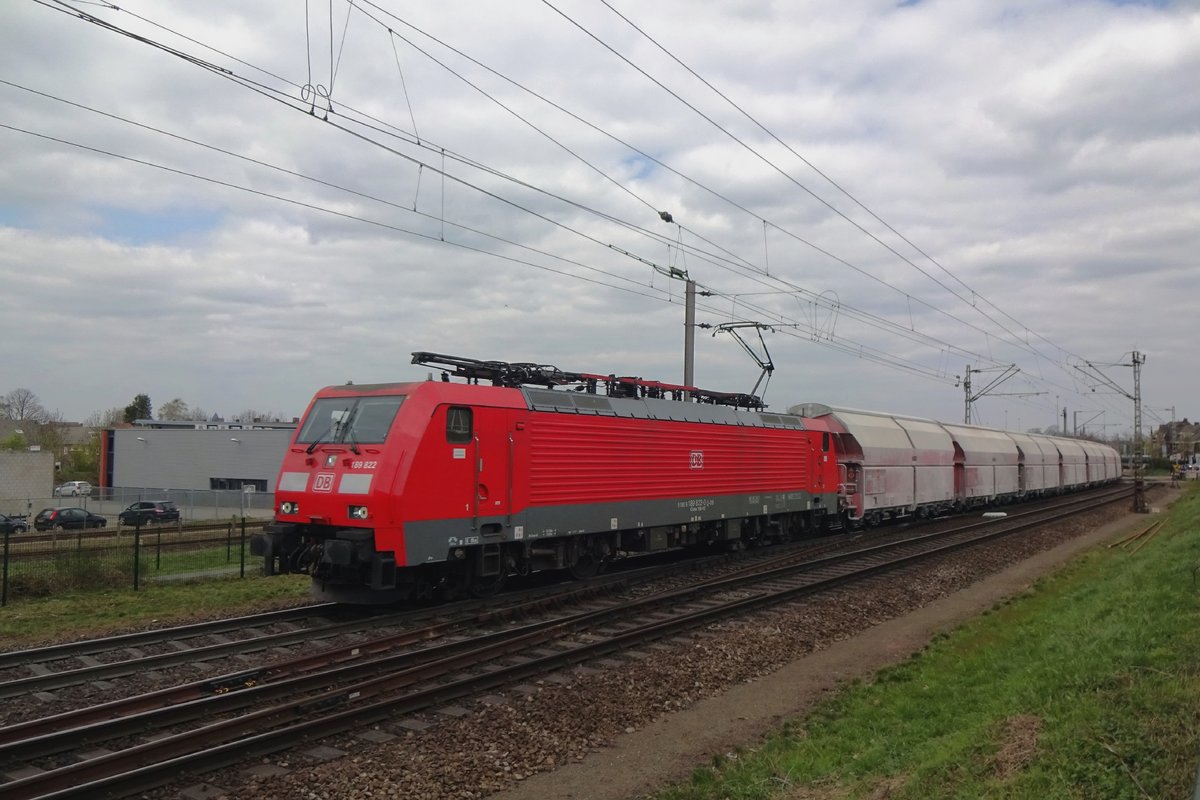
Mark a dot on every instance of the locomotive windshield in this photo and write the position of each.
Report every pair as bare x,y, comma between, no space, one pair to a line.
349,420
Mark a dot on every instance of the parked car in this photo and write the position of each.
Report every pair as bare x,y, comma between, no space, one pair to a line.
67,518
12,524
73,489
147,512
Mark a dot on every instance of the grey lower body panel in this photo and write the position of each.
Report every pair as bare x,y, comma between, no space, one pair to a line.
428,542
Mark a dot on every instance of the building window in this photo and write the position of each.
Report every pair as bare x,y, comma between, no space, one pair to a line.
238,484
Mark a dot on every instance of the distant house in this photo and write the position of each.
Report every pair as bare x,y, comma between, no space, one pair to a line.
12,427
59,438
1180,440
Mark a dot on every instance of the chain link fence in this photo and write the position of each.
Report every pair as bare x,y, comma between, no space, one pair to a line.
194,505
210,539
40,564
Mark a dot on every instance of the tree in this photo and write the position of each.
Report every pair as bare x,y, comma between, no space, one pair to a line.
15,442
140,408
105,419
174,410
250,415
48,434
83,462
21,405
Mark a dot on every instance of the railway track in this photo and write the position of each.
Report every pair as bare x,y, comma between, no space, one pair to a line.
54,667
256,712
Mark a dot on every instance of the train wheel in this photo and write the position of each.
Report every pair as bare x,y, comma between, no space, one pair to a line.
487,587
587,566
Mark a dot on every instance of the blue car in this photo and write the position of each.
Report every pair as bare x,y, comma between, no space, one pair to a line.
12,524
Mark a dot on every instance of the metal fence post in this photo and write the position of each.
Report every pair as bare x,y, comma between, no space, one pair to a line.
4,588
137,555
242,549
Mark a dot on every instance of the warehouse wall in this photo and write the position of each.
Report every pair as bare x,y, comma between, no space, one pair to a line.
24,475
191,459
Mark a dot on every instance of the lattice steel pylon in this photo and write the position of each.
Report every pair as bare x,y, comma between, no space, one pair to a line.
1140,505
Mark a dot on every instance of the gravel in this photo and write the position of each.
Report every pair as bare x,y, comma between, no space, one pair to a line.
563,718
503,742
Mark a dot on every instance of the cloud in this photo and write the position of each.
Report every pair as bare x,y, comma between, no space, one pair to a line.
1040,159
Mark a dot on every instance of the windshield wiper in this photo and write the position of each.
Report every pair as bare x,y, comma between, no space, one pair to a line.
333,426
317,441
348,428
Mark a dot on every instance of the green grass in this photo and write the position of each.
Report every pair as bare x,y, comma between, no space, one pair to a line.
24,623
1087,687
173,560
39,569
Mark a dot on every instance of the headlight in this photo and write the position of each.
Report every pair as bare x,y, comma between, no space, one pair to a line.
289,507
358,512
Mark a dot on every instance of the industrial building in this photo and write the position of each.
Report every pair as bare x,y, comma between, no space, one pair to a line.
194,455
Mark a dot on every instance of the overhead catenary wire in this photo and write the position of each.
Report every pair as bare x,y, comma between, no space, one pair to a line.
745,145
463,160
988,358
342,214
860,350
830,180
1013,337
127,11
641,152
907,296
232,76
228,74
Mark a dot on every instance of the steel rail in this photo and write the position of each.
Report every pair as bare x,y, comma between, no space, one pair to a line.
57,652
519,602
174,753
40,736
253,677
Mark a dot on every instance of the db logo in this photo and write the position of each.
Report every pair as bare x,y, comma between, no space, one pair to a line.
697,459
323,482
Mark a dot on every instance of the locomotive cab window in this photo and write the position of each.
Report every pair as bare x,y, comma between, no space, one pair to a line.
373,419
351,420
825,442
458,425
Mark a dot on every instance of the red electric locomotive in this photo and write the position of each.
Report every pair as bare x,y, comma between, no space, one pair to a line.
394,491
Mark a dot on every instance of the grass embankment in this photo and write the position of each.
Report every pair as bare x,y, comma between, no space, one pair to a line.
26,623
1086,687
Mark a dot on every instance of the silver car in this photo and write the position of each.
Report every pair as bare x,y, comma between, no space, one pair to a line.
73,489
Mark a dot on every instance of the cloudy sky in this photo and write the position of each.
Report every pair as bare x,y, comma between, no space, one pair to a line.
237,203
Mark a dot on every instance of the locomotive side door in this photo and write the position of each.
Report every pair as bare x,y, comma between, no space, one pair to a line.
480,460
